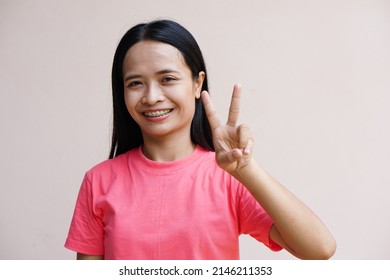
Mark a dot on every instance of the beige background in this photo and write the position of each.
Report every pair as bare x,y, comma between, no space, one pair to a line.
316,78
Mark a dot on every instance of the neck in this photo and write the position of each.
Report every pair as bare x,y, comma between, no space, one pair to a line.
165,150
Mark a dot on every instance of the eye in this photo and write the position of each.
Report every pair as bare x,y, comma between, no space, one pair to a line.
168,79
134,84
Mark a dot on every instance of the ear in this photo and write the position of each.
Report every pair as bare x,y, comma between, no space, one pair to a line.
198,84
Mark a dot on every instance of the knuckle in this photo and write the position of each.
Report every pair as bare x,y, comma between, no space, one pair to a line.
244,128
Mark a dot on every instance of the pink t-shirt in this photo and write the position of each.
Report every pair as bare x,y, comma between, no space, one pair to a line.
131,207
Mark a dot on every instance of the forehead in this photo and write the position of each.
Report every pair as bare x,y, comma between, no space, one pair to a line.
153,55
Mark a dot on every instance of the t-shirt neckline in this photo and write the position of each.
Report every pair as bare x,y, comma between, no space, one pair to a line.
170,166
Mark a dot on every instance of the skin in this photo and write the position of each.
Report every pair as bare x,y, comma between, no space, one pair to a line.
81,256
296,228
157,77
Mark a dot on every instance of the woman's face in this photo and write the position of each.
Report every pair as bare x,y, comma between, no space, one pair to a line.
159,90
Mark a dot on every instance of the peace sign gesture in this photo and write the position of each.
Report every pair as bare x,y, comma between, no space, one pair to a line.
233,144
307,237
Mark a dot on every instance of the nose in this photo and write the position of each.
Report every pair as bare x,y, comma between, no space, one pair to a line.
153,94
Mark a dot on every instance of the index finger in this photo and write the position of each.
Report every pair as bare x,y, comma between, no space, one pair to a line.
234,109
210,110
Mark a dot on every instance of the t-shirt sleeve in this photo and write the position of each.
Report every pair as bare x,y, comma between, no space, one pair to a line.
253,219
86,233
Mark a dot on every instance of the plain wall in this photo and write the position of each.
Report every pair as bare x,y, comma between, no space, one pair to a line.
316,77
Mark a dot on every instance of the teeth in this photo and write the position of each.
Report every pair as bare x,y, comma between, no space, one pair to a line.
156,114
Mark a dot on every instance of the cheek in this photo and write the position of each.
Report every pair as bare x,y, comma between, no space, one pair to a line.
190,107
191,100
131,104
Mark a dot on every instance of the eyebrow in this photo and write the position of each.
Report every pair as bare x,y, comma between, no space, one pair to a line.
164,71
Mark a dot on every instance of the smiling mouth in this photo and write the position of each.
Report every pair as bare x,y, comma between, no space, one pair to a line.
156,114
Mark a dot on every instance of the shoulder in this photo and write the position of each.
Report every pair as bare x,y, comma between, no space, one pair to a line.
109,173
207,166
111,166
206,156
204,160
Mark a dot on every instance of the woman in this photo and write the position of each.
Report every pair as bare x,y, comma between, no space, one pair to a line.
179,184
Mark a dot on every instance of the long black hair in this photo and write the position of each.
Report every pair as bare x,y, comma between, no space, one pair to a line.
126,134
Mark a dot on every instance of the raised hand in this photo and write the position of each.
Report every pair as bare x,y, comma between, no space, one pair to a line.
306,237
233,144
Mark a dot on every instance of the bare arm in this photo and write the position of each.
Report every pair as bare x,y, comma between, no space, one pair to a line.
296,227
88,257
